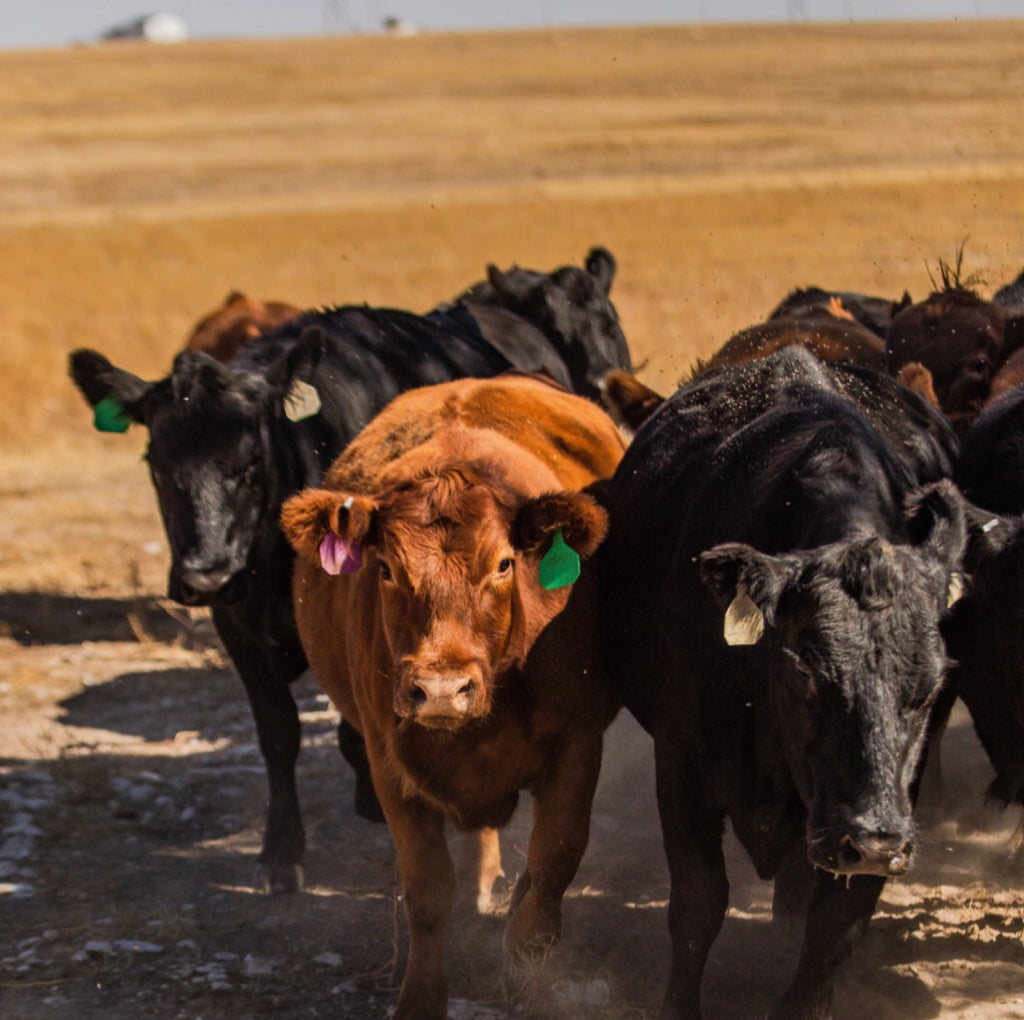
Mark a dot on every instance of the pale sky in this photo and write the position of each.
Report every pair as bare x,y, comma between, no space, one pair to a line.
31,23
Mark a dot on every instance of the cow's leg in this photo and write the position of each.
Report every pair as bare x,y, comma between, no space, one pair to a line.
561,829
266,676
353,750
836,919
478,868
699,894
428,882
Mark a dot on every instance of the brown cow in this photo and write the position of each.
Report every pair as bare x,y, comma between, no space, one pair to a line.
962,339
236,322
426,606
830,333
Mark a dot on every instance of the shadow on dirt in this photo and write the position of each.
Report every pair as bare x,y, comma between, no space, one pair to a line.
209,703
38,618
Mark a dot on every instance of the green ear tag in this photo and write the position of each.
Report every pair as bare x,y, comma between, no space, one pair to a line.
560,566
109,416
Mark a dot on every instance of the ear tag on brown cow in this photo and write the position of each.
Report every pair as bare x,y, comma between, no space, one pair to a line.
955,590
302,401
340,556
109,416
744,622
560,565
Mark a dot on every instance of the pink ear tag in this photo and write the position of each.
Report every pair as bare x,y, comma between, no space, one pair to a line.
338,556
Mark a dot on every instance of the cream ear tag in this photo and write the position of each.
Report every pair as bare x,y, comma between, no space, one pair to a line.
744,622
302,401
955,590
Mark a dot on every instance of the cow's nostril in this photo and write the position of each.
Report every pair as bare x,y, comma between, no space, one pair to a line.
849,852
468,690
417,696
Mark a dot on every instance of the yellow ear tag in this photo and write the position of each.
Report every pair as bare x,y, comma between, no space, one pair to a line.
744,622
955,590
302,401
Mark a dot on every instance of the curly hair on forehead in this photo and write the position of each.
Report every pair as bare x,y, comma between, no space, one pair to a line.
451,493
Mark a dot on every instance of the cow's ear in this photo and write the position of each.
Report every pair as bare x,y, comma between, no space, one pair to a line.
509,287
989,536
311,517
298,364
117,397
582,520
748,585
936,520
600,264
1013,331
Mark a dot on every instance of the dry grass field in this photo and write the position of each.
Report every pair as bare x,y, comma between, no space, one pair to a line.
723,166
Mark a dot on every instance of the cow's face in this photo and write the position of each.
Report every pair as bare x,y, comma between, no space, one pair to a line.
959,338
856,659
210,456
572,308
456,556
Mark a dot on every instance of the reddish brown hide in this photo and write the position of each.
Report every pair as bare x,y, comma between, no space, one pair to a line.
462,672
830,334
236,322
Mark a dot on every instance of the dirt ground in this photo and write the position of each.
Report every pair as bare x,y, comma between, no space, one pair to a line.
723,167
131,810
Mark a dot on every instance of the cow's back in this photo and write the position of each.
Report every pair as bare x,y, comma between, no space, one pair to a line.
571,435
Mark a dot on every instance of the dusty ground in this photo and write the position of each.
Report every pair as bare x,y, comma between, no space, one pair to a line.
132,803
723,167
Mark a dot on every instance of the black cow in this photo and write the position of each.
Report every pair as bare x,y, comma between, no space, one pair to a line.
983,634
570,307
772,585
224,455
1011,296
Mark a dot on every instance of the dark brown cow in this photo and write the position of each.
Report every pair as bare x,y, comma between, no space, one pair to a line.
962,339
429,597
874,312
830,333
236,322
1010,374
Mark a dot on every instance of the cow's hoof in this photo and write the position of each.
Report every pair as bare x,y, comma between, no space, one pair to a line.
279,878
529,935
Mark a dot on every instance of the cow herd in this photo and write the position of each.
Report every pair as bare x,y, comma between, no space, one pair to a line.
787,571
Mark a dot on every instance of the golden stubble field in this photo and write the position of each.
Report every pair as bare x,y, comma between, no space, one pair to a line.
723,166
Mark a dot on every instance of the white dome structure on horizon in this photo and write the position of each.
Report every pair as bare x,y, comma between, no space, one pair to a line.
159,27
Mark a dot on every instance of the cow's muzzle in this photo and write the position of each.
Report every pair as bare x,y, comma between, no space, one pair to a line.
441,699
201,587
863,854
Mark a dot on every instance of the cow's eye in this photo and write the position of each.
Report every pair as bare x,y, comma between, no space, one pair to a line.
506,565
385,570
806,674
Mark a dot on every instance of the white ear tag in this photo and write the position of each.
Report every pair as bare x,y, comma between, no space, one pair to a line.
955,590
744,622
302,401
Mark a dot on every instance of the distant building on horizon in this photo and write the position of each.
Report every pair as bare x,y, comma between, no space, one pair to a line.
160,27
